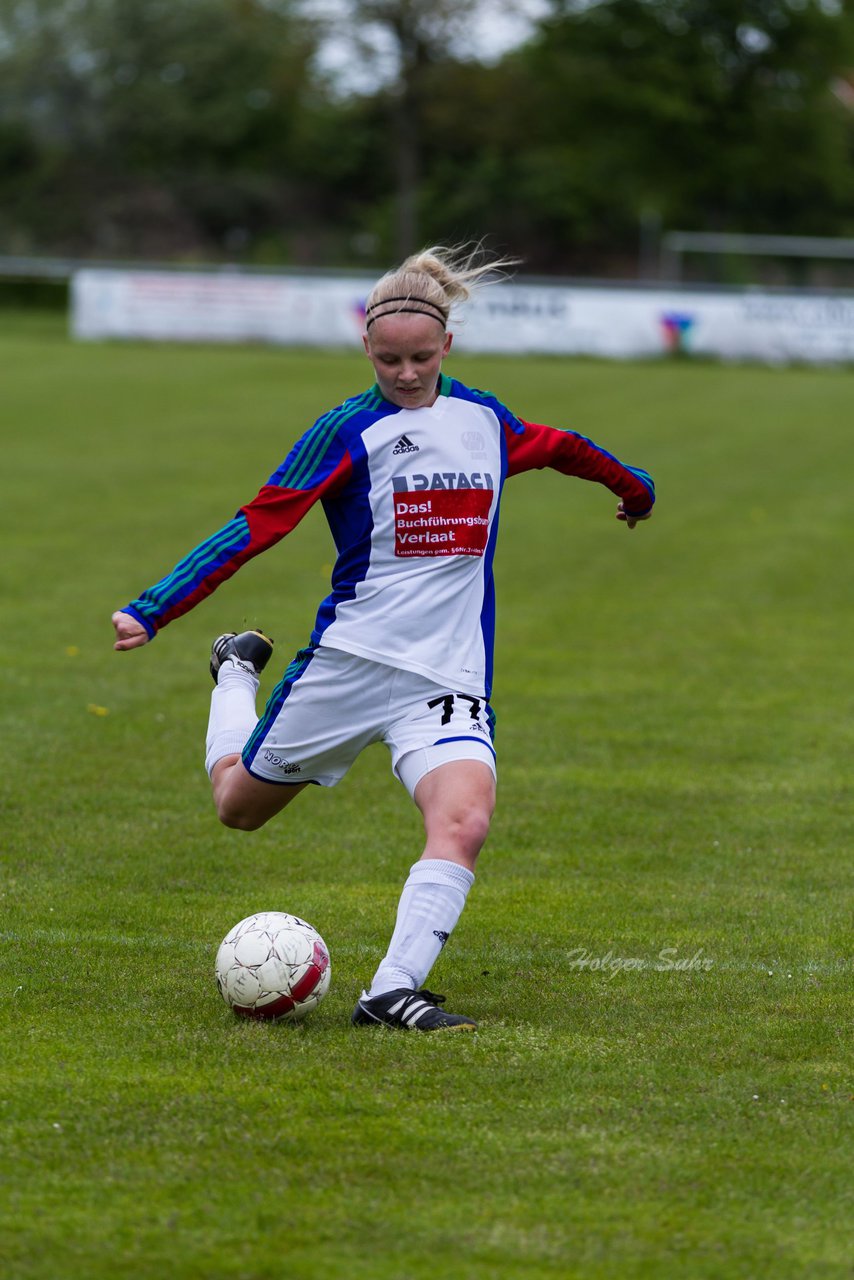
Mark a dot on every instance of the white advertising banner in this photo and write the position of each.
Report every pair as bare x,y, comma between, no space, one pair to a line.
512,318
626,323
225,306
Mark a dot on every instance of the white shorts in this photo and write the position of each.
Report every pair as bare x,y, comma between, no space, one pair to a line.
330,705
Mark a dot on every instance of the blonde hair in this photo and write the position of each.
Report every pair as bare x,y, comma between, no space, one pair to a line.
430,282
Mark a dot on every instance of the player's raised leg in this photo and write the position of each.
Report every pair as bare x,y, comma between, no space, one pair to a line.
241,801
246,803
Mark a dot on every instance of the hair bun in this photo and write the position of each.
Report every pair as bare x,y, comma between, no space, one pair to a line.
438,277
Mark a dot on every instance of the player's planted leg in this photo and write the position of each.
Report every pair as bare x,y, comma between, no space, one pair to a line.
409,1010
457,800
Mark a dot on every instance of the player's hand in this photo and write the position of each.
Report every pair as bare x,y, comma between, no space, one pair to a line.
630,521
130,634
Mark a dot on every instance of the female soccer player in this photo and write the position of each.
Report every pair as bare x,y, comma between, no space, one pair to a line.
410,475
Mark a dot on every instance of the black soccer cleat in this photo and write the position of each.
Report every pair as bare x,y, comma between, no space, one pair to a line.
409,1011
250,650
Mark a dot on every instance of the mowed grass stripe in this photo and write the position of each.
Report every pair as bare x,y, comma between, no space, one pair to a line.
605,966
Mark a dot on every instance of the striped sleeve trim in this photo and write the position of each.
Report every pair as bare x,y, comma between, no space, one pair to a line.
215,551
645,479
187,576
304,466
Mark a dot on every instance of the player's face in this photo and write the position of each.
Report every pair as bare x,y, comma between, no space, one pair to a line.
407,351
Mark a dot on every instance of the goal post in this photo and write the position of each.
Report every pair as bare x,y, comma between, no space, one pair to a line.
676,244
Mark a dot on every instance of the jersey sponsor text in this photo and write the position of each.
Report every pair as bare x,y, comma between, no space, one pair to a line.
448,523
443,480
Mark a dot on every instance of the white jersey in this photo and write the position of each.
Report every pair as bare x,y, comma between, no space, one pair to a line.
412,498
421,598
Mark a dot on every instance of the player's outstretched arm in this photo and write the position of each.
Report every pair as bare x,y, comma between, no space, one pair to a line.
130,634
533,445
631,521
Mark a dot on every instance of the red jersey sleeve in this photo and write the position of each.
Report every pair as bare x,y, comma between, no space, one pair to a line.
273,513
532,446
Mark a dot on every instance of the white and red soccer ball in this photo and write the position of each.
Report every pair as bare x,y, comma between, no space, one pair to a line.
273,966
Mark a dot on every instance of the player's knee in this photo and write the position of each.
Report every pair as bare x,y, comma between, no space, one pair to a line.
479,829
238,819
234,813
467,829
231,807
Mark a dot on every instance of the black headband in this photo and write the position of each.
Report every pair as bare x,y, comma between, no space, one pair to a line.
416,311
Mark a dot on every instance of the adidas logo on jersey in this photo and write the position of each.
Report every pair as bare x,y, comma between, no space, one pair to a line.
405,445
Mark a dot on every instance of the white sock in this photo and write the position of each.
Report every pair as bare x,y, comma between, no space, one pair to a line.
233,715
430,905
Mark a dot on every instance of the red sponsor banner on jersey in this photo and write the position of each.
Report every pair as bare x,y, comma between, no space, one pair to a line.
441,522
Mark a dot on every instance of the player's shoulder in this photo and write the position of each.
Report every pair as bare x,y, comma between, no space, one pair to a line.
324,445
486,399
361,408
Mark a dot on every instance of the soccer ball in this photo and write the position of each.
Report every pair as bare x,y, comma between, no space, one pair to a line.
274,966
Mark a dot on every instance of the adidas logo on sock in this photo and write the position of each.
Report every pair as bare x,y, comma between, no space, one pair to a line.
405,445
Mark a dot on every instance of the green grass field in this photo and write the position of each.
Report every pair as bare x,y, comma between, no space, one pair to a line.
675,744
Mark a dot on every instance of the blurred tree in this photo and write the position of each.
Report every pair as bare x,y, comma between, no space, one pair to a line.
398,43
140,108
148,128
624,115
710,113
